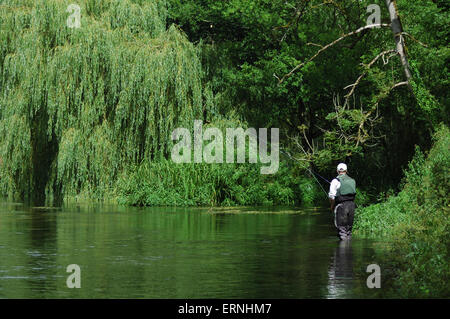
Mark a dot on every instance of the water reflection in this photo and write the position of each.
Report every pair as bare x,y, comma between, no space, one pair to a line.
42,251
176,253
340,274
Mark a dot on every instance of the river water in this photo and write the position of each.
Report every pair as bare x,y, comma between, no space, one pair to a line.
132,252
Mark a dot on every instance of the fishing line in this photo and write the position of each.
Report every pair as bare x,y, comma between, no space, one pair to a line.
326,193
322,177
291,158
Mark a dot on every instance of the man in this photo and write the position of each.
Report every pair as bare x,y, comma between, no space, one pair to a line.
342,195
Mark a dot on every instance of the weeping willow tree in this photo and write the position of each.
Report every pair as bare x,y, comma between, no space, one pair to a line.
78,106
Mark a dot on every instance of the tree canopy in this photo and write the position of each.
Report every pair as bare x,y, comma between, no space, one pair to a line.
81,106
78,105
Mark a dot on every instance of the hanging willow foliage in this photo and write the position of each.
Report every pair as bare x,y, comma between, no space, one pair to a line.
79,106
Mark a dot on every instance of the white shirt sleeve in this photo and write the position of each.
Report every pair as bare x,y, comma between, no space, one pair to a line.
334,186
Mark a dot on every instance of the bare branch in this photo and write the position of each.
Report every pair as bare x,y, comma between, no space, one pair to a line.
399,84
367,66
330,45
299,145
299,12
367,118
306,139
409,35
315,44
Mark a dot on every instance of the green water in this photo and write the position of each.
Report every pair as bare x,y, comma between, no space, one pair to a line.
178,253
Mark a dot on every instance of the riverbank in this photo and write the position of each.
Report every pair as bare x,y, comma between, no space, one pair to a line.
416,224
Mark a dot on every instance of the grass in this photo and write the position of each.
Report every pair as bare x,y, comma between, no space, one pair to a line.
164,183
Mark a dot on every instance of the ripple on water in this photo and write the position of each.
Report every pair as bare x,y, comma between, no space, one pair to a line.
34,253
14,277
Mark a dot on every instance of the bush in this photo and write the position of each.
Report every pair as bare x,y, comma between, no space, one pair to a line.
417,222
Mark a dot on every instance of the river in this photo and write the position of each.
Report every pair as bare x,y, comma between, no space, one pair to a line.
128,252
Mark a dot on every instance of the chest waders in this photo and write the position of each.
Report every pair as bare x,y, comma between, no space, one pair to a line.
344,210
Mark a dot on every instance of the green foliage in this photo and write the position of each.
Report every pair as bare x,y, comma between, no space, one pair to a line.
89,111
417,223
429,64
165,183
92,104
309,192
245,43
92,101
363,198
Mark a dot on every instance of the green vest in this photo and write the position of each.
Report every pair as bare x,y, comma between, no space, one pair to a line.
348,185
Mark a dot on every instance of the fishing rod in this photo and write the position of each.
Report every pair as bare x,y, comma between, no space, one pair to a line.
309,170
321,176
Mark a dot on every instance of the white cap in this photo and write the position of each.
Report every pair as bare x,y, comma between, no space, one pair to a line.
341,167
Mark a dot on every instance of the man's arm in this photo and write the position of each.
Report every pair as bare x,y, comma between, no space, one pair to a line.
334,185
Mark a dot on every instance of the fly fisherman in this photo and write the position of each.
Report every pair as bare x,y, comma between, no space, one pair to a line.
342,195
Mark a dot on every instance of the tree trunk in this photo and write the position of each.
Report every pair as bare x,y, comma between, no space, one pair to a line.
397,30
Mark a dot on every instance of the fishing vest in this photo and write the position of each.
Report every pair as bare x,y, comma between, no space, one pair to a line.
348,185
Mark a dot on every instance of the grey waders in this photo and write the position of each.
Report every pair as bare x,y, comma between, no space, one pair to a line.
344,211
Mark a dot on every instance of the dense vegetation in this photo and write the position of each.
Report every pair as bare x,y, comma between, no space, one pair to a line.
81,105
417,223
88,112
82,108
248,44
